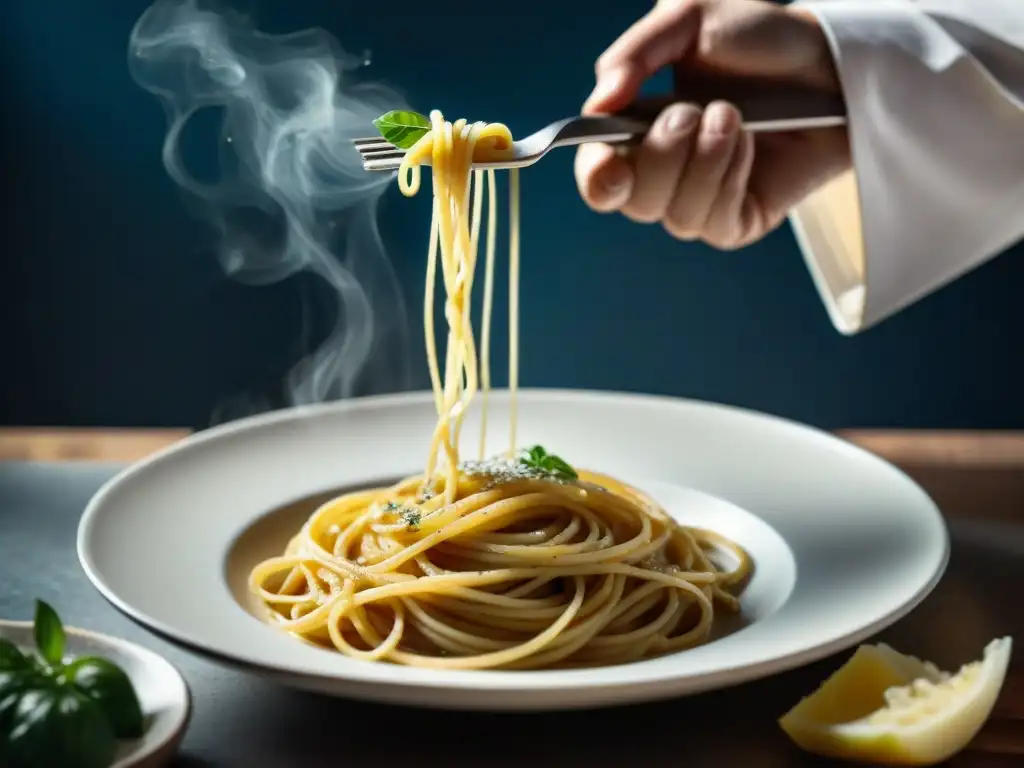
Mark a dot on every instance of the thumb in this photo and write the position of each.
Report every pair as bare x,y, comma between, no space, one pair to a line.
658,39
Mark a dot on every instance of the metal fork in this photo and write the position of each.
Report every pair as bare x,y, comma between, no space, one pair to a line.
763,107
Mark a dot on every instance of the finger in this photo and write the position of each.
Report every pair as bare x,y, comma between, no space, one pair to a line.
661,37
659,160
605,179
725,227
698,187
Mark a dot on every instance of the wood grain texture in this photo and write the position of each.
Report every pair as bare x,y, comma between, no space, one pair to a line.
967,473
976,450
99,445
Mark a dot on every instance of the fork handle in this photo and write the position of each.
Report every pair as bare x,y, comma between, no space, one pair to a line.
763,105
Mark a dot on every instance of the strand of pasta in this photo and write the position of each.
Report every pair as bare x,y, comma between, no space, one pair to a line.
487,308
449,571
513,307
400,593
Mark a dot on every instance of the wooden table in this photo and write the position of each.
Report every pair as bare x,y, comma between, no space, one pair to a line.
977,479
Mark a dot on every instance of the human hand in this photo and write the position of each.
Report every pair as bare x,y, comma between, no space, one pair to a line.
698,172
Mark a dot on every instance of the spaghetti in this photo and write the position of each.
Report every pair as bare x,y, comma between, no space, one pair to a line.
513,562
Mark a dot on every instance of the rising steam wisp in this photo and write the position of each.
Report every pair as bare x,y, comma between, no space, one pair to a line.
290,108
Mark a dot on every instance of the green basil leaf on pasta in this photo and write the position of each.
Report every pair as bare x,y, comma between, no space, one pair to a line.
538,459
561,468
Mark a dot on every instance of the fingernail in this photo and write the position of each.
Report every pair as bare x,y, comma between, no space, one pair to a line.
680,118
720,118
607,84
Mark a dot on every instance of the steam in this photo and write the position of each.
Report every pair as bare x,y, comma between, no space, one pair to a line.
289,113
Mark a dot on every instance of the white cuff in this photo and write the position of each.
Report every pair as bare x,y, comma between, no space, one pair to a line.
938,164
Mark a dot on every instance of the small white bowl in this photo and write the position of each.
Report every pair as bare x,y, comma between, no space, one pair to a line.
161,689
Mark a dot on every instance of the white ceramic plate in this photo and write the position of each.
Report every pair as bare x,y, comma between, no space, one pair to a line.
843,543
161,690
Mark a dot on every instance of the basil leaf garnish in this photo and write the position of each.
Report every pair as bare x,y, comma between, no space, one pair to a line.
561,468
402,128
538,459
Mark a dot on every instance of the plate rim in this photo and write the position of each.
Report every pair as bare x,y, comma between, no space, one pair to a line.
622,691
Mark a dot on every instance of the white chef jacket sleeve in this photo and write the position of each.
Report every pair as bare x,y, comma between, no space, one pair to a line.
935,98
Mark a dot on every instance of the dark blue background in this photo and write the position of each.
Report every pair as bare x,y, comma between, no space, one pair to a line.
115,311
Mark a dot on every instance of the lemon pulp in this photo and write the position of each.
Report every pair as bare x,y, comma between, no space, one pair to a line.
888,708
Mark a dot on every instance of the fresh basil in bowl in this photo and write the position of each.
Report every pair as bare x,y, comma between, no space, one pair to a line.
62,712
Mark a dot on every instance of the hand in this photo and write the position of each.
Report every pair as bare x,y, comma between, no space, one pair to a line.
698,172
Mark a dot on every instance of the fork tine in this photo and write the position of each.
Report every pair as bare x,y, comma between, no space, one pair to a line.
367,149
376,146
379,144
371,140
390,164
380,154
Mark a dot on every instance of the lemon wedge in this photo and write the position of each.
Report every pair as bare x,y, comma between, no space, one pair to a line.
887,708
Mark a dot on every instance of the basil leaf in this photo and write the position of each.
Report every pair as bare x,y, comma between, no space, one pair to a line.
402,128
58,727
10,697
11,656
15,680
110,689
49,634
558,466
12,685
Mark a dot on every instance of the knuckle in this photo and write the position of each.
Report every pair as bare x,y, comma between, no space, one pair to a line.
720,125
680,230
678,13
677,124
714,152
724,242
612,59
640,215
680,7
714,36
724,231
